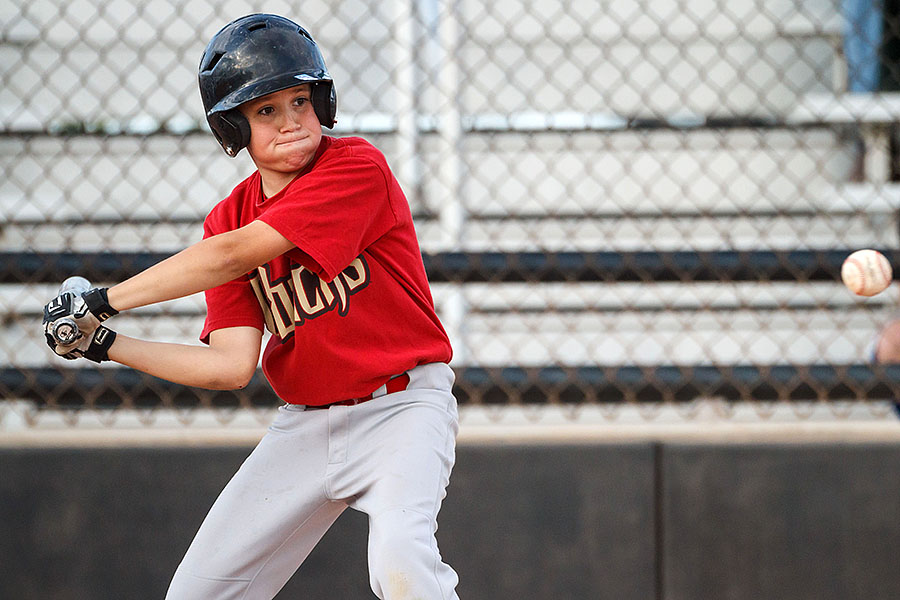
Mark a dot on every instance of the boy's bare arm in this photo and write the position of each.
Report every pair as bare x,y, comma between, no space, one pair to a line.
204,265
228,363
887,350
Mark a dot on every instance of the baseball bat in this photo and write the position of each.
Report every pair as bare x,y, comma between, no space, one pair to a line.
65,330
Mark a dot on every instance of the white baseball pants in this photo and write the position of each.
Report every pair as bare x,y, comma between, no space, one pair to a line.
389,457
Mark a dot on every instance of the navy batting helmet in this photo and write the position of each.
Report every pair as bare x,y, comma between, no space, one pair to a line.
254,56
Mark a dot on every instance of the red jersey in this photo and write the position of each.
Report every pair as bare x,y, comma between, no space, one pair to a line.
350,306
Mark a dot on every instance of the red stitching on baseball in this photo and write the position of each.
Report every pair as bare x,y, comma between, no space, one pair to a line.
884,271
862,275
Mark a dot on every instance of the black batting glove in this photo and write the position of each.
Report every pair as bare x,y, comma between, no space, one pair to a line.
94,347
69,318
97,302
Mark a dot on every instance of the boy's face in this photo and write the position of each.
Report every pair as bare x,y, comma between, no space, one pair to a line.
284,131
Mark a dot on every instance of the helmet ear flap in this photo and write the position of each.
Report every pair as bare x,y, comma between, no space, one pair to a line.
324,100
232,130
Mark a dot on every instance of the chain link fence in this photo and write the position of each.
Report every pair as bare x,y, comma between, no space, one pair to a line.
621,201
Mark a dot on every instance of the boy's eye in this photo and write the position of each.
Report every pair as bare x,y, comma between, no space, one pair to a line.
301,100
266,110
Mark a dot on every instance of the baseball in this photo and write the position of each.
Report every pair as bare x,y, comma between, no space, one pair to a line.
866,272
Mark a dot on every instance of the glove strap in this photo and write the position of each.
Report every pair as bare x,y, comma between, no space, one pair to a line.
98,351
97,302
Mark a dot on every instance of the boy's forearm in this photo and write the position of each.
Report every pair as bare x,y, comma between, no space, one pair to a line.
195,366
204,265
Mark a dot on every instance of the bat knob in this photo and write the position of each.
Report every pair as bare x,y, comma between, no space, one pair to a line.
65,332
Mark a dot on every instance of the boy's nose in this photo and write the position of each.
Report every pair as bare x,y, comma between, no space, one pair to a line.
289,119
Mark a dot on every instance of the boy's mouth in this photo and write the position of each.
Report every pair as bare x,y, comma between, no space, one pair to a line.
292,140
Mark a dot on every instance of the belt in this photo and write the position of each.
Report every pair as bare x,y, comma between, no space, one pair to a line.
395,384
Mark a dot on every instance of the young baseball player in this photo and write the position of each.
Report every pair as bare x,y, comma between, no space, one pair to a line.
318,247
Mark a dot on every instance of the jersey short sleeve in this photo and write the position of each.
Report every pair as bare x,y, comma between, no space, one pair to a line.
232,304
336,211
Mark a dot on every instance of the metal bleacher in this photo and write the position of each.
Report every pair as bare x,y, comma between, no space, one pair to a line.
678,236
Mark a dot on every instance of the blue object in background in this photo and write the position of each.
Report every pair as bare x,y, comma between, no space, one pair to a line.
863,22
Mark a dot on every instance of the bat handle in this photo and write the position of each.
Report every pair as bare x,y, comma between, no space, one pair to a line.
65,330
75,285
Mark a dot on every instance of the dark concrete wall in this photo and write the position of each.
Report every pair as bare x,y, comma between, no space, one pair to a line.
625,521
789,521
552,522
